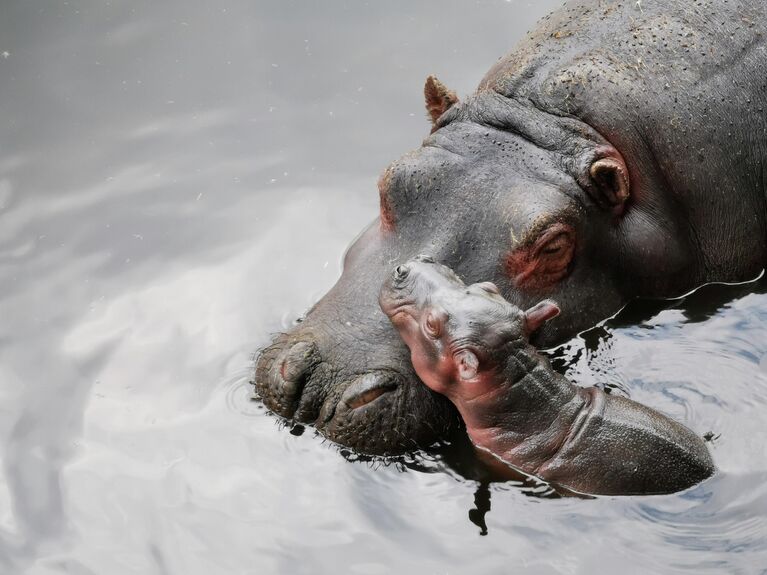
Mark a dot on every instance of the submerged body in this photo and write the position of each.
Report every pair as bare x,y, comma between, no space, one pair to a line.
471,345
619,151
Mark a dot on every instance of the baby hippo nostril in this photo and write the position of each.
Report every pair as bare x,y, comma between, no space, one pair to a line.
401,272
424,258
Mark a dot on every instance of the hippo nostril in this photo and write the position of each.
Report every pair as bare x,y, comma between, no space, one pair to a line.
359,393
424,258
367,396
282,377
401,272
367,388
297,360
297,364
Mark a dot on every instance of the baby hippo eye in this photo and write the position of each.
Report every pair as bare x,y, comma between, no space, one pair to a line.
434,323
432,326
489,287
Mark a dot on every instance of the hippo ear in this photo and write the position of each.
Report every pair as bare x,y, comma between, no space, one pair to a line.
468,364
438,99
539,314
610,183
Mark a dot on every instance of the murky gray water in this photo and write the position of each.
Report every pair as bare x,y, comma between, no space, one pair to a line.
178,180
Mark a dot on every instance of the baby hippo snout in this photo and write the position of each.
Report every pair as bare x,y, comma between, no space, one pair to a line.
413,283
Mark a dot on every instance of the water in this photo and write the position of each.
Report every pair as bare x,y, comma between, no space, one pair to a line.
178,180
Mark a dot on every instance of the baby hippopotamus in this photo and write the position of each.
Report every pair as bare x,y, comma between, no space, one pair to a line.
471,345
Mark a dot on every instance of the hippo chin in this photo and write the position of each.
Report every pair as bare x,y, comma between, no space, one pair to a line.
471,345
618,151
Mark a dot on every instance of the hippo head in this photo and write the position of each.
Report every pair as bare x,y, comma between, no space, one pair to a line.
460,337
499,191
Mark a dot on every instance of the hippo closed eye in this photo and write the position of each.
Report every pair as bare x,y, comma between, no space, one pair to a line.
471,345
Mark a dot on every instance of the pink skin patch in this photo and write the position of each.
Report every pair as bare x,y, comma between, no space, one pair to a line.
540,265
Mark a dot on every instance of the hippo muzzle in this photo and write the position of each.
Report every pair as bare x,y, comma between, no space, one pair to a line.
352,380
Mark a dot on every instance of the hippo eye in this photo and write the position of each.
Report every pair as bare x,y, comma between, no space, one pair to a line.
556,245
433,324
489,287
546,262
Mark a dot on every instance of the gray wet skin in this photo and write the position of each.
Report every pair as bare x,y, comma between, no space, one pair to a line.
470,345
618,151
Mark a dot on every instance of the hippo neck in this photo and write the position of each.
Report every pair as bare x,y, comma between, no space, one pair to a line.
526,416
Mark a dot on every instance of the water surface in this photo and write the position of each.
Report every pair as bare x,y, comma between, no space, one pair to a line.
179,180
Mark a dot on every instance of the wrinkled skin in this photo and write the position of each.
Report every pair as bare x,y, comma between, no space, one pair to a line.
617,152
471,345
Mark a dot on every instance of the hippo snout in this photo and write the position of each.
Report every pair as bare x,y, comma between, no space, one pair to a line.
289,380
375,411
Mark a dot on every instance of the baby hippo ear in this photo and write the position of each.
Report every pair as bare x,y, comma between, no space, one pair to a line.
438,99
467,364
539,314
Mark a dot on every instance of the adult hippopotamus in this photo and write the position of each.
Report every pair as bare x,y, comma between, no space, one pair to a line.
471,345
619,151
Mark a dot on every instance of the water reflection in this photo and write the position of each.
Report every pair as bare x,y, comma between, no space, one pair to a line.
178,181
